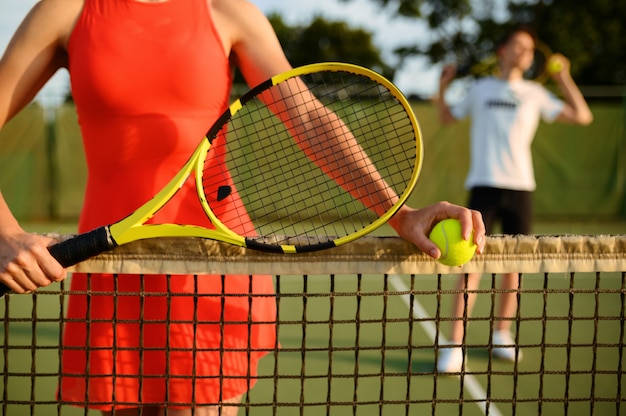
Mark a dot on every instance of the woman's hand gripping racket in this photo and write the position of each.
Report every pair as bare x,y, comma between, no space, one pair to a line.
320,156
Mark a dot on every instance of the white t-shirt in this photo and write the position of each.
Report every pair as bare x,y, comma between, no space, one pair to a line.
505,116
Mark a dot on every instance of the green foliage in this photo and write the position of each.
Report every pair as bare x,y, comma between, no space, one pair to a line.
591,34
324,40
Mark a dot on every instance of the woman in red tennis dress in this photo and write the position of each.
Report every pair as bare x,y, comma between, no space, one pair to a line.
143,106
149,77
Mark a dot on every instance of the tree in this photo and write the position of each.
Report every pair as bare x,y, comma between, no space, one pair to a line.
591,34
323,41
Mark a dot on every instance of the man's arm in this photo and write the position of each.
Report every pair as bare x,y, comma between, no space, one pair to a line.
447,75
576,109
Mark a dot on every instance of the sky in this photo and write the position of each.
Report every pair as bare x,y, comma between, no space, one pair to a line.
417,77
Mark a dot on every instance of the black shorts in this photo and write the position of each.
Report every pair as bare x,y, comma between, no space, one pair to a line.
512,208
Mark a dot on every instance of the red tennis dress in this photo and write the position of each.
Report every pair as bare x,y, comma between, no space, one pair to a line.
148,80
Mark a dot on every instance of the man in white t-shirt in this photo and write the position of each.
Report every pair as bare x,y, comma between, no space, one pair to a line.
505,111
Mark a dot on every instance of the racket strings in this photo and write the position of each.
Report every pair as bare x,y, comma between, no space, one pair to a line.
288,193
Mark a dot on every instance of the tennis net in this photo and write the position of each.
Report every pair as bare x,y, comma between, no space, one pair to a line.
361,328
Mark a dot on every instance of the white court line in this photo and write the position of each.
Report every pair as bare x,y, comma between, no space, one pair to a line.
471,384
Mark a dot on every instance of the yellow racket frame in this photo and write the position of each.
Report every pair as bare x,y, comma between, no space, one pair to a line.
134,227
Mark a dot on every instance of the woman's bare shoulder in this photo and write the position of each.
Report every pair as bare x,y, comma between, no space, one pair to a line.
52,19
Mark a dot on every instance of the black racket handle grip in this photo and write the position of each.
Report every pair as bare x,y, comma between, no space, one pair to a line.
82,247
78,249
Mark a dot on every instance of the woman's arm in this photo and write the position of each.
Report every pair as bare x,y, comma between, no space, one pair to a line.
35,53
258,53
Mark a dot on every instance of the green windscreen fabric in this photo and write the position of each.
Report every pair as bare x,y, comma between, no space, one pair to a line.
71,166
24,174
580,171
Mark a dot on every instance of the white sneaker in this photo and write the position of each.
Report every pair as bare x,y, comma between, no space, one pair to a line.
504,347
450,360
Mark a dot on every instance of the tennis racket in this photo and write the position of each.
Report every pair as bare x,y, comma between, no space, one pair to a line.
489,66
467,73
538,71
318,156
486,67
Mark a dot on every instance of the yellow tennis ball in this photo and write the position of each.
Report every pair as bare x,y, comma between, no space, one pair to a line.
455,251
554,66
